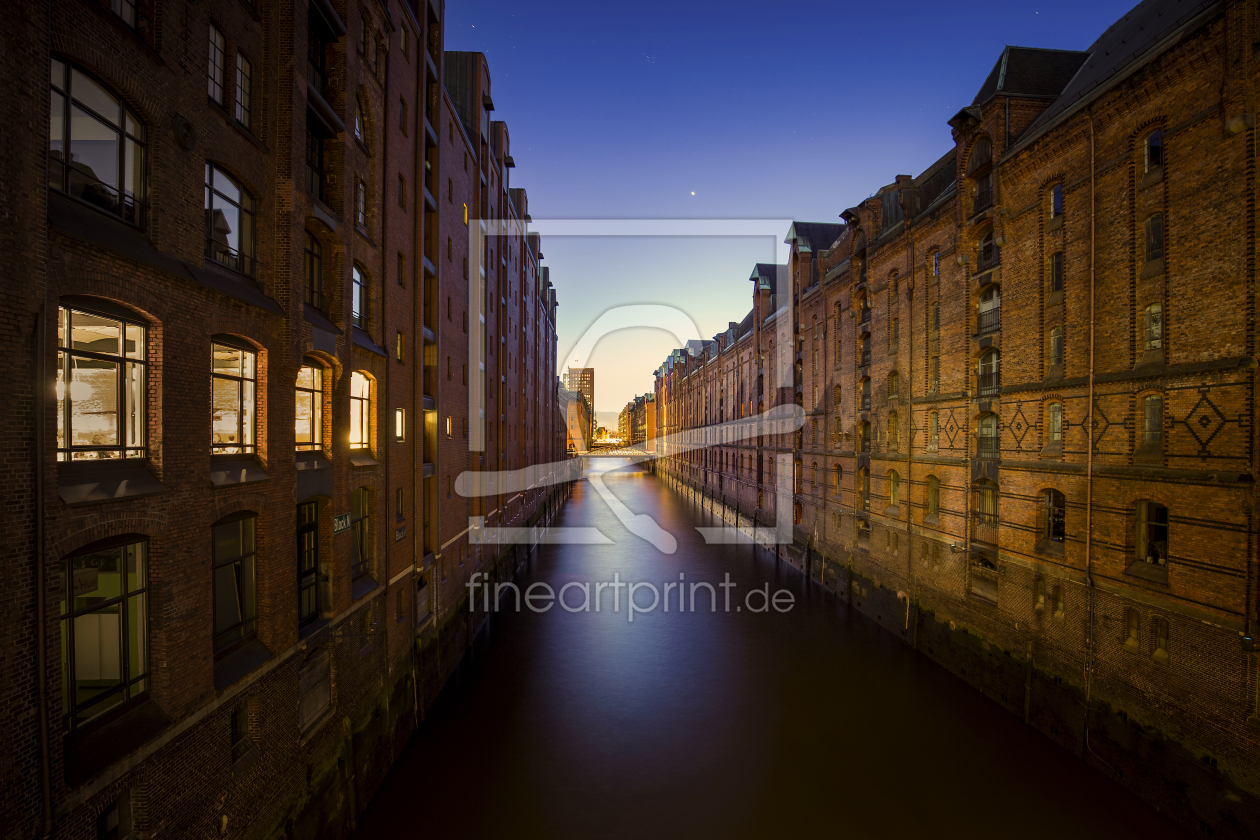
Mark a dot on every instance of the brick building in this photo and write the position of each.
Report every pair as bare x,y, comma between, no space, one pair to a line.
1028,380
234,563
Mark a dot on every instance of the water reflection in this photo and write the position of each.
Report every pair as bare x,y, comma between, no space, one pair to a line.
726,725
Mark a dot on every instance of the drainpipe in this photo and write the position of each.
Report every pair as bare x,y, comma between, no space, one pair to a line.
1089,457
417,271
41,595
384,450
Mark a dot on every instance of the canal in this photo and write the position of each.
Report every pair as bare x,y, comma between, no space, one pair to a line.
695,724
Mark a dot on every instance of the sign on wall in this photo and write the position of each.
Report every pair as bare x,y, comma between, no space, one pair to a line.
341,522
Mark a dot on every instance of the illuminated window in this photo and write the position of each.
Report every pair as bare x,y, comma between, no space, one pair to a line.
101,379
233,374
400,424
1153,326
360,411
309,407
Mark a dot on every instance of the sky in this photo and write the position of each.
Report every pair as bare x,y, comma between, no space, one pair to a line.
728,110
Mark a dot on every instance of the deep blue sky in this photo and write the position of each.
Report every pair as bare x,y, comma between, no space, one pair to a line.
622,110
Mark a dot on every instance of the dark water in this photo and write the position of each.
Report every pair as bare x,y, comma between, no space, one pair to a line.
810,723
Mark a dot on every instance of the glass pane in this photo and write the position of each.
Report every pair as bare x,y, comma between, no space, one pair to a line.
93,402
132,127
247,588
133,174
356,422
247,239
134,410
135,342
247,413
134,559
227,541
62,361
247,535
358,385
95,577
304,410
57,139
247,366
95,334
305,377
225,223
137,637
226,412
93,160
57,72
224,184
227,599
85,90
226,360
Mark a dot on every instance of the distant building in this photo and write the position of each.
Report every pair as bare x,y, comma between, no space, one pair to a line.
582,380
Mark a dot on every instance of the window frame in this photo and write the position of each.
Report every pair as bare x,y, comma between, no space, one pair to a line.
360,289
247,625
244,89
361,533
216,66
933,496
1153,327
247,385
313,270
1054,517
361,410
137,416
241,259
315,394
1152,434
308,562
1153,238
1154,141
1146,529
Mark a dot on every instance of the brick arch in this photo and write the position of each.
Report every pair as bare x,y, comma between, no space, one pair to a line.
227,506
141,298
126,81
99,528
241,180
970,146
1143,128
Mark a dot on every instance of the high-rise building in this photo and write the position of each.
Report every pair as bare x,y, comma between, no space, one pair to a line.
583,380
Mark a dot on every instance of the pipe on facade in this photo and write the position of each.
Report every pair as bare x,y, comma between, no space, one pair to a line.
1089,456
384,449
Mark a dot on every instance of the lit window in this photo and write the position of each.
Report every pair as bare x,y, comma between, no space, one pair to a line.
215,69
95,145
1055,422
235,604
1153,326
243,73
400,424
360,411
104,629
309,407
229,222
101,380
232,410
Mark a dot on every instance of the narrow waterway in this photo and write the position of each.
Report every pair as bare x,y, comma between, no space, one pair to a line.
728,724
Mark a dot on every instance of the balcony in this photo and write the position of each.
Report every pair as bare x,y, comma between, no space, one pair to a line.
225,255
984,582
989,384
984,529
987,448
990,257
989,321
984,200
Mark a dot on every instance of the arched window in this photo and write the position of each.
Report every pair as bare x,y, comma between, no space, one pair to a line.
104,628
229,222
933,496
797,514
309,407
894,489
1056,347
866,393
1152,533
360,513
837,477
989,318
1154,149
989,381
979,167
892,385
1153,327
360,124
1055,516
894,433
1155,237
990,255
101,383
359,291
234,568
1056,201
96,145
1152,419
1054,422
313,265
987,437
936,263
933,429
864,437
864,489
864,349
360,411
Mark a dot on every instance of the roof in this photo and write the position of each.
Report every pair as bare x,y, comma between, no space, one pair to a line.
769,272
1140,30
814,236
1030,72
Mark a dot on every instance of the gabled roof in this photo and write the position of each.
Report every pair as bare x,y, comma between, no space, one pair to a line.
1030,72
1140,30
770,274
813,236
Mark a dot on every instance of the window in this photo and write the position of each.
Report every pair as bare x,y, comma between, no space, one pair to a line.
979,167
96,146
1161,638
309,407
836,395
837,476
360,411
104,629
989,376
126,10
360,502
360,203
359,123
1055,516
987,437
866,393
989,316
358,297
244,73
1153,326
894,489
229,222
317,54
402,270
313,268
1056,346
1152,533
400,424
893,381
1155,149
233,371
936,318
933,496
402,115
1056,201
864,489
398,347
235,607
936,373
1152,419
1056,271
314,161
936,263
894,433
215,70
990,255
1155,237
402,192
864,437
1054,421
403,39
933,429
101,384
308,562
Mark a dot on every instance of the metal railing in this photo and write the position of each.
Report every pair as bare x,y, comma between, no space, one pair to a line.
987,447
990,256
984,199
989,321
225,256
984,529
989,384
